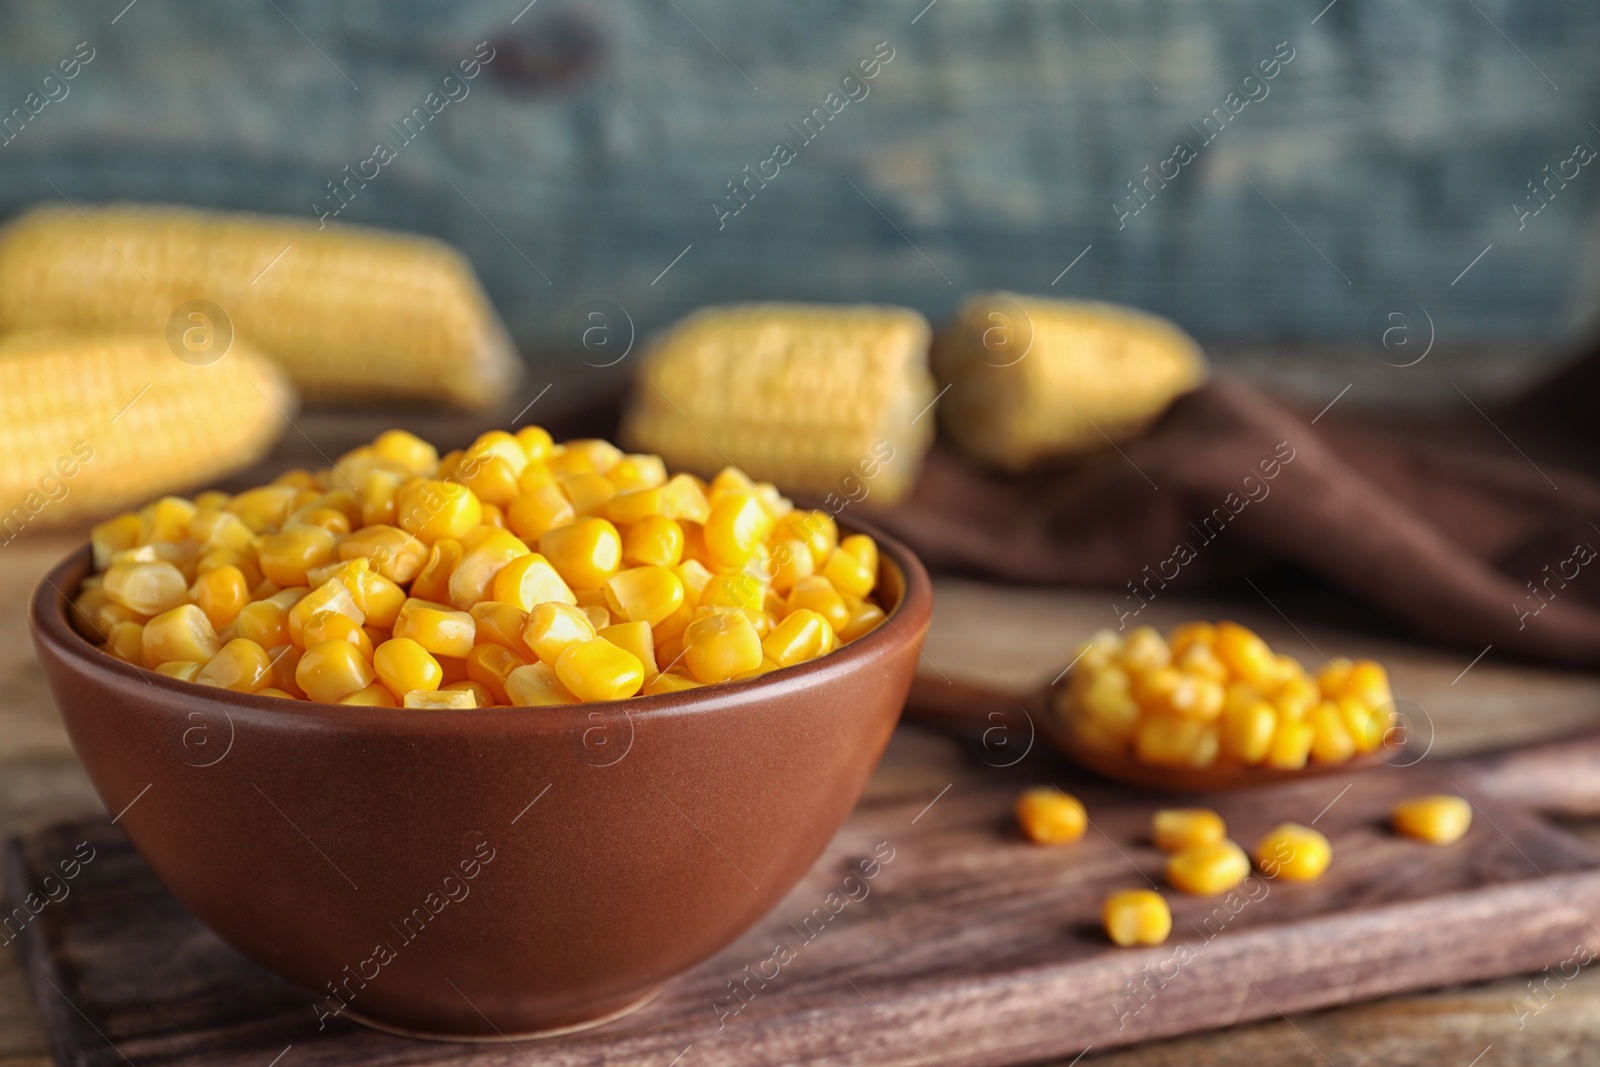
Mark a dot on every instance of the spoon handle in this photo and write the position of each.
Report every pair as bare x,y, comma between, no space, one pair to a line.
962,708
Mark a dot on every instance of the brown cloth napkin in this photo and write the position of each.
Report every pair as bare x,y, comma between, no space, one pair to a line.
1472,550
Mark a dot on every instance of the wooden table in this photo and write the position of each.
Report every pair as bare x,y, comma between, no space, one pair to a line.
1003,637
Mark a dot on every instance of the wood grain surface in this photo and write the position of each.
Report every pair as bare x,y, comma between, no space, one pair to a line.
930,932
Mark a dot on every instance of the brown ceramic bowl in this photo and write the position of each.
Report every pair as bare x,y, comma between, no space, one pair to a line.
472,874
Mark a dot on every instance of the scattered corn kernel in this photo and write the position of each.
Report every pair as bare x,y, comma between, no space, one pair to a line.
1293,852
1206,870
1051,817
1438,820
1175,829
1137,917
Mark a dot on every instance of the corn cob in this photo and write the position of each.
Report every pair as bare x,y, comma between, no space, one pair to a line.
1031,378
351,313
818,399
89,424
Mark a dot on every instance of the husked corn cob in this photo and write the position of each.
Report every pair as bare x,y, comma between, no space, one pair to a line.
91,424
1031,378
350,312
818,399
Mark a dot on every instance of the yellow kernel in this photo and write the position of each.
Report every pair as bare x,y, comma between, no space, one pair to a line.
655,540
437,628
331,671
264,622
1137,917
330,597
635,638
720,646
736,524
585,552
403,665
1293,852
598,670
1189,635
148,588
1206,870
1291,745
382,601
286,556
490,665
552,627
644,594
392,552
669,682
182,633
183,669
537,510
1175,829
241,665
483,696
126,642
733,590
1051,817
474,577
1247,732
405,450
442,700
430,509
432,583
529,580
1334,679
864,618
801,636
1176,741
500,624
818,594
638,471
1330,741
848,572
589,493
1245,654
537,686
333,626
221,593
112,536
1439,819
373,696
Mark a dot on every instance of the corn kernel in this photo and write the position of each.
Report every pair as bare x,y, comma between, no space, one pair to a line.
264,622
148,588
286,556
1334,679
1136,917
1291,745
474,576
585,552
1176,741
382,601
112,536
538,510
552,627
1245,655
242,666
403,665
848,572
1247,732
537,686
442,700
182,633
864,618
330,597
720,646
285,661
393,553
644,594
1438,820
490,665
653,540
126,642
439,629
500,624
1294,853
1206,870
1330,741
432,583
221,593
528,580
669,682
1175,829
818,594
801,636
1051,817
636,639
598,670
332,671
333,626
183,669
736,524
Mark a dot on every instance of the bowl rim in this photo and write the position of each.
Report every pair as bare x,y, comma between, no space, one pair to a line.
47,618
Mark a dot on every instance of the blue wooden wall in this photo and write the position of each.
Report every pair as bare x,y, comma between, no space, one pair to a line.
991,149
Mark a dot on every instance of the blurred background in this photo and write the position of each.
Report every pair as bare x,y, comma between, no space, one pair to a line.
1393,157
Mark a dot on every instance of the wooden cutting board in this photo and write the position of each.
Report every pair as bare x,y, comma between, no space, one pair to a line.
966,945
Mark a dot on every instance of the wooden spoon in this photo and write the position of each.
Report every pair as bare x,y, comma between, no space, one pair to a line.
1007,726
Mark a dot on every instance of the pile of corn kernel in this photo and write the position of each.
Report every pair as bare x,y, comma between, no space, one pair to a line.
1217,694
517,572
1202,861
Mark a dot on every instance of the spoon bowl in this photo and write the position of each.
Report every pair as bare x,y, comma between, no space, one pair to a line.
988,716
